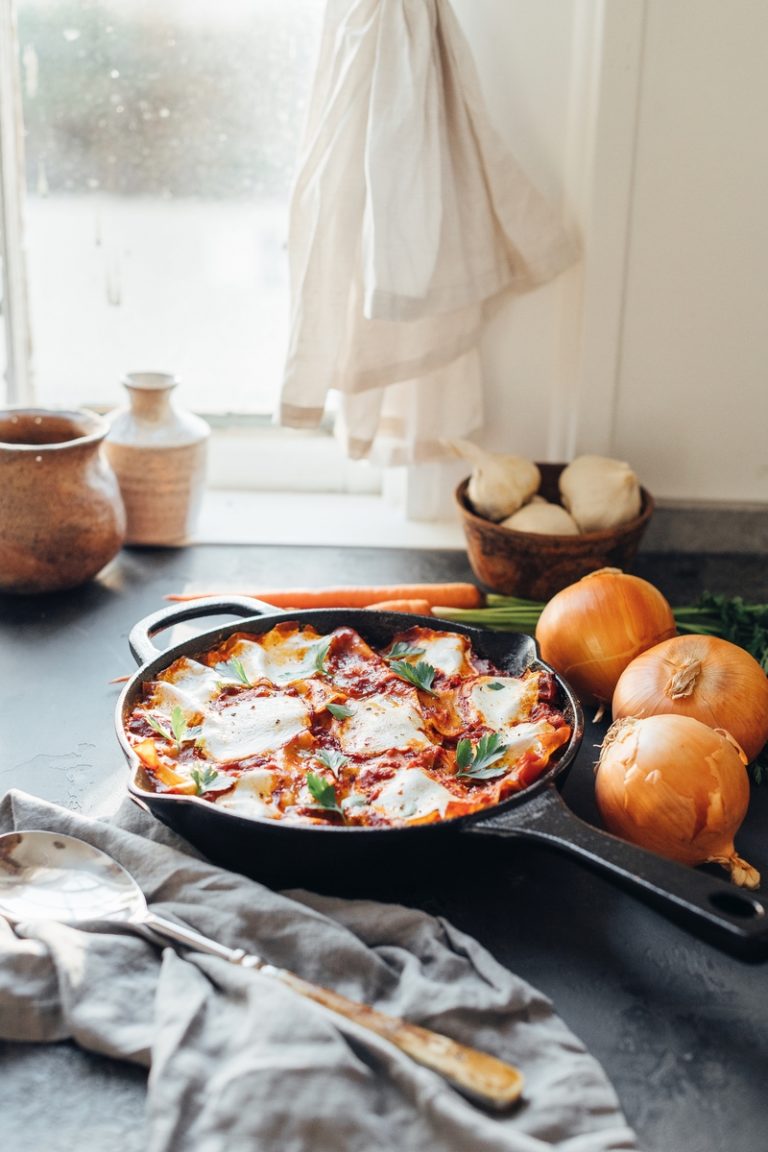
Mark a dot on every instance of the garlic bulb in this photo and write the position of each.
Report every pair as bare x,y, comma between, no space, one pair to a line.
499,484
600,493
541,516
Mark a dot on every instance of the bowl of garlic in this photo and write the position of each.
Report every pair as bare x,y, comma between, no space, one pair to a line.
534,528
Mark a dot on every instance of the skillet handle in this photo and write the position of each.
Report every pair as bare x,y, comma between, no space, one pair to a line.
140,636
731,918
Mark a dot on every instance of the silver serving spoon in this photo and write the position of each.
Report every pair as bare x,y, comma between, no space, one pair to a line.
48,876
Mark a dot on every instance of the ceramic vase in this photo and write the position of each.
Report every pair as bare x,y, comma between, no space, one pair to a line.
61,515
158,452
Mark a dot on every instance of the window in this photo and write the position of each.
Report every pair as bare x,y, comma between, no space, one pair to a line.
160,143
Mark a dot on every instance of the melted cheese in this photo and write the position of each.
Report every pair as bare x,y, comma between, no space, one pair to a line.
445,651
502,707
381,724
522,738
411,795
248,725
250,795
281,656
188,684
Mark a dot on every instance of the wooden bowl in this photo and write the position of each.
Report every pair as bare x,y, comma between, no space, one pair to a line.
535,566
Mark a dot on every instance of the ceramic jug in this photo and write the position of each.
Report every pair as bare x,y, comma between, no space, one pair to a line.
61,514
158,452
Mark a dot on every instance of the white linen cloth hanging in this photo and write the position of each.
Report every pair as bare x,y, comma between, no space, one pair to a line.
409,219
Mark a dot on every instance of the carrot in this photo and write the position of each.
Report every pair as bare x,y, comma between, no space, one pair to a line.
417,607
450,595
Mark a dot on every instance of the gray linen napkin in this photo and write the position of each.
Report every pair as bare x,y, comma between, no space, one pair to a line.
238,1062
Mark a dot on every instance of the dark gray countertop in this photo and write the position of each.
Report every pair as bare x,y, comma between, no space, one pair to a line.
681,1028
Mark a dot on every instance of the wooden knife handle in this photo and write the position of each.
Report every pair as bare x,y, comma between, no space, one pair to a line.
475,1074
481,1077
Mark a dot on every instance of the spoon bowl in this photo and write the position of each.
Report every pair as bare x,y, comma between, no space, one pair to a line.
47,876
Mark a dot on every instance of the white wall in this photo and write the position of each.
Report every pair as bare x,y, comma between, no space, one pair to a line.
644,120
692,396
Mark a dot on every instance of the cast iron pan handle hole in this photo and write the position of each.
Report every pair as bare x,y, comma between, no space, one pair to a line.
737,904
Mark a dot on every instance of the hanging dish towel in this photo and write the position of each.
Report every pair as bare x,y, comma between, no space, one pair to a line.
409,221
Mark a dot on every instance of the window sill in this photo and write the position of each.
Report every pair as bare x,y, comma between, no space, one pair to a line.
325,519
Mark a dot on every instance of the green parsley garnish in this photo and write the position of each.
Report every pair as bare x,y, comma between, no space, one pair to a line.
339,711
179,732
421,674
332,760
321,654
496,687
236,669
179,725
477,764
158,727
208,780
401,649
323,793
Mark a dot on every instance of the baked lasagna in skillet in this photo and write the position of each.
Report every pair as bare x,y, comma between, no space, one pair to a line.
297,726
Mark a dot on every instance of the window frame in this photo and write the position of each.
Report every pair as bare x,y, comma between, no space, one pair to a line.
19,387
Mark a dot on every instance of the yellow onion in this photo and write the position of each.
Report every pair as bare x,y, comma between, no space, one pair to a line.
677,787
590,631
705,677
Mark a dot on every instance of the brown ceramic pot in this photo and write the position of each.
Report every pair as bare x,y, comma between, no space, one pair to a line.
61,515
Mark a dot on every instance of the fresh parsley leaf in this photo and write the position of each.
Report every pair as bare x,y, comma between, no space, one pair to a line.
208,780
421,674
235,669
477,765
159,728
179,730
323,793
464,754
730,618
321,654
496,687
339,711
178,724
400,649
332,760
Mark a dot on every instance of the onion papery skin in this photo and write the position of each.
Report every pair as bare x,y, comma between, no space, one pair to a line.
677,787
705,677
590,631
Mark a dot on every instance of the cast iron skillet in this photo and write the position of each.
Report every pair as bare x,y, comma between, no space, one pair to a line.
316,856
